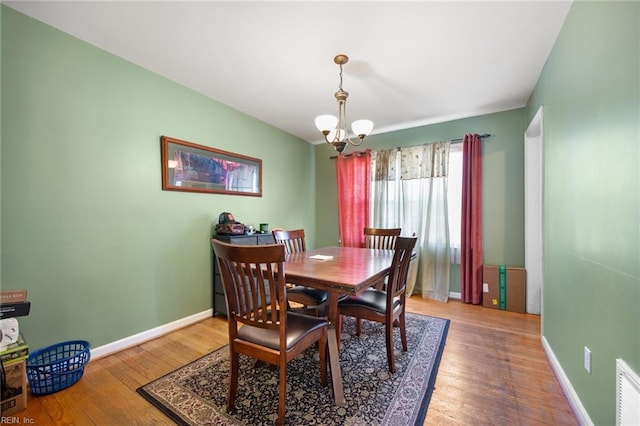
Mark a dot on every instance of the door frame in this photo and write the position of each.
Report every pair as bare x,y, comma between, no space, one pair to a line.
534,213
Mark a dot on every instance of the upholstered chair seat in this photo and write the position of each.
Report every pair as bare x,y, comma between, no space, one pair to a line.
373,299
298,326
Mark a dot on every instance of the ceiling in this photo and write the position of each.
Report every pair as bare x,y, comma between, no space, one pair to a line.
411,63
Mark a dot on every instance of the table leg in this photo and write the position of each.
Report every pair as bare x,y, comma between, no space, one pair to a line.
334,352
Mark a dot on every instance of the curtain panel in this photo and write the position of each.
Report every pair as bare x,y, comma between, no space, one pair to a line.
385,211
409,192
471,226
353,175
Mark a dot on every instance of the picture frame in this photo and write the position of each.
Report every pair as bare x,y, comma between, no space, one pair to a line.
190,167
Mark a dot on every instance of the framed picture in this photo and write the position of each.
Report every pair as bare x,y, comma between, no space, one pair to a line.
190,167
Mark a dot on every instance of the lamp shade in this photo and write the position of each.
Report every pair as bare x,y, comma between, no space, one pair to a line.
326,122
362,127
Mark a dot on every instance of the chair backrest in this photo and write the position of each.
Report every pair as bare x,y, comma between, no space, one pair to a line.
254,284
381,238
293,241
397,284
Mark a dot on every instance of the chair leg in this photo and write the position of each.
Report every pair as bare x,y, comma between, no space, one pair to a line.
389,338
358,326
403,332
233,381
322,348
282,393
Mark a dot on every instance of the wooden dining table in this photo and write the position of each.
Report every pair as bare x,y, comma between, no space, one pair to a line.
339,271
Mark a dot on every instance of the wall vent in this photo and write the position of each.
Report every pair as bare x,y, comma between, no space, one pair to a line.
627,395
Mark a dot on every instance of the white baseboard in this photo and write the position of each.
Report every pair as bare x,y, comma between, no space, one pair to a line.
567,388
136,339
453,295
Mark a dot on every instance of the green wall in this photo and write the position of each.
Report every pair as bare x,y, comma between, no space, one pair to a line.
590,90
103,252
502,186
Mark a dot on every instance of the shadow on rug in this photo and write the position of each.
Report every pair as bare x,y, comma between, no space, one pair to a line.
196,393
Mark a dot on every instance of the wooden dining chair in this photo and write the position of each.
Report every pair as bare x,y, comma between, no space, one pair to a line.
260,325
385,306
381,238
311,299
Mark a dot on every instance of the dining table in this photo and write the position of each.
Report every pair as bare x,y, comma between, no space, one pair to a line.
340,271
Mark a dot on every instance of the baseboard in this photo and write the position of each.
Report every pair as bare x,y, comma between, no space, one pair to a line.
136,339
567,388
453,295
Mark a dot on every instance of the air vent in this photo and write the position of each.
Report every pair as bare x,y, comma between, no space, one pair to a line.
627,395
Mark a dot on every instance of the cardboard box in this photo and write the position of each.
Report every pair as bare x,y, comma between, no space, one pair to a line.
504,287
14,309
14,394
12,296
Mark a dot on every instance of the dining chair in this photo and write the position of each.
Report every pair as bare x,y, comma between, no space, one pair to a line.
384,306
310,298
381,238
260,325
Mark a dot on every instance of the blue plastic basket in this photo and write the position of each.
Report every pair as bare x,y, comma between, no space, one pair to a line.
57,367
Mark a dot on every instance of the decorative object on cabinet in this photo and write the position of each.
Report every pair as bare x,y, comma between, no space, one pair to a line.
228,225
218,302
189,167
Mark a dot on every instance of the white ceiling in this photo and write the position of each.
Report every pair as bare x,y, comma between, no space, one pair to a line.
411,63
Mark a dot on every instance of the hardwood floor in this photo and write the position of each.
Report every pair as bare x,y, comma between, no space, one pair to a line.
493,372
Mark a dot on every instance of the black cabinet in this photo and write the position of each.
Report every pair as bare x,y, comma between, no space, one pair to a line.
218,303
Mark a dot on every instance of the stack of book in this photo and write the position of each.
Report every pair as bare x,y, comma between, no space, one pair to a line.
13,303
13,352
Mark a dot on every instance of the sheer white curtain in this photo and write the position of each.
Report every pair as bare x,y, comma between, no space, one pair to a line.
385,189
410,192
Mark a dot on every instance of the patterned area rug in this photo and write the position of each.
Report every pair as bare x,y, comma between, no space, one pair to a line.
196,393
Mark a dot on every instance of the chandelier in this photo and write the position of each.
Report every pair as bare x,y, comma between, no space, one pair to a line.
335,129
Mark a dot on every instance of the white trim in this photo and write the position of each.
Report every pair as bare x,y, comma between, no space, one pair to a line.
136,339
454,295
567,388
534,214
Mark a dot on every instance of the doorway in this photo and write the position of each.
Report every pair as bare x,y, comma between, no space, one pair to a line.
533,212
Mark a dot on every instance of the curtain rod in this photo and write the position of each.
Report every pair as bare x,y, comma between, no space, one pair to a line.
351,154
485,135
333,157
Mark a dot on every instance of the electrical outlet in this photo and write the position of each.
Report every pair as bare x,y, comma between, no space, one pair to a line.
587,359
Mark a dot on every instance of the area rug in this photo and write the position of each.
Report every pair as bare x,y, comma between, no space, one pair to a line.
196,393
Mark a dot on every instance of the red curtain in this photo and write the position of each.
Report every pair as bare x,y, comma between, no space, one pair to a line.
471,232
354,182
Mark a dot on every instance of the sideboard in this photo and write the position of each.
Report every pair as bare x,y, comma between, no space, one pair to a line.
218,303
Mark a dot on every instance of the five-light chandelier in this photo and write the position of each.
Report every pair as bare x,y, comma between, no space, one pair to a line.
335,129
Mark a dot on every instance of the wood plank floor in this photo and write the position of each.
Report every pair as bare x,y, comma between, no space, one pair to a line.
493,372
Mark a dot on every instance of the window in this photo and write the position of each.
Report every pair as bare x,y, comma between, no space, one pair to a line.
387,210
